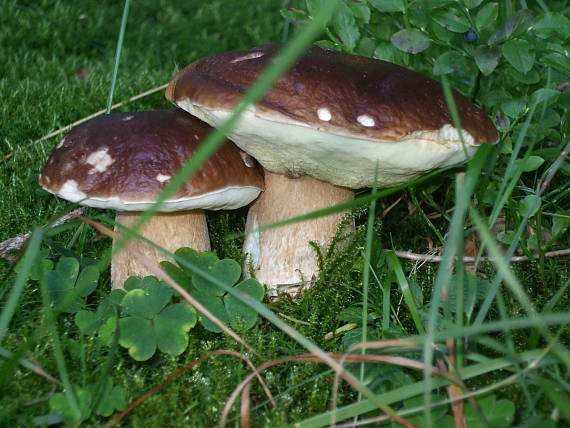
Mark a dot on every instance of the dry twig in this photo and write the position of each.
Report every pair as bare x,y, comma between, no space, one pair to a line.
17,242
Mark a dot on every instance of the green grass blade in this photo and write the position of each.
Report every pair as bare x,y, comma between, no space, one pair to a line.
27,262
410,391
120,41
366,271
59,355
443,277
396,267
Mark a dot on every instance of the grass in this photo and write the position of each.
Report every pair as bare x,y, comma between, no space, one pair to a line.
49,48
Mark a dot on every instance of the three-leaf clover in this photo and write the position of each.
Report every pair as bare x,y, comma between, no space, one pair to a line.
225,306
68,286
149,323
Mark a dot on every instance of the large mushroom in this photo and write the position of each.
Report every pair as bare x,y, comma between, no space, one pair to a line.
123,161
332,120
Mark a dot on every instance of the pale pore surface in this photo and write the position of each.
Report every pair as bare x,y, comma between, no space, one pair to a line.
229,198
344,160
283,256
170,231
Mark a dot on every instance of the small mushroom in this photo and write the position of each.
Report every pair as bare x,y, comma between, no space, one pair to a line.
123,161
332,119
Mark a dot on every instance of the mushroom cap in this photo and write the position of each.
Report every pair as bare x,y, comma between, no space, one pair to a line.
123,161
334,116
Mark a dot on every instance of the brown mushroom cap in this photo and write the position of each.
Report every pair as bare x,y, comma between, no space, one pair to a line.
123,161
330,102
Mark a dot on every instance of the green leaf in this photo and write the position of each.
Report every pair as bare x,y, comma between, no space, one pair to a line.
240,314
560,223
514,108
294,14
499,413
487,15
360,11
487,58
557,61
112,398
449,62
227,271
61,280
410,41
171,327
545,95
387,5
138,336
204,260
40,266
106,332
516,24
552,24
180,276
58,403
148,301
87,281
345,26
472,3
530,204
518,53
88,322
451,21
216,306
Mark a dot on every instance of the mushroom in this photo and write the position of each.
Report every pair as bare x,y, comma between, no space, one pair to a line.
332,119
123,161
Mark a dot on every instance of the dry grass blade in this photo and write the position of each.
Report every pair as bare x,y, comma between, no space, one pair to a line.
18,242
159,273
180,372
244,408
85,119
341,358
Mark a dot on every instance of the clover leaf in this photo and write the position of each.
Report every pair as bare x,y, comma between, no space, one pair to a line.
148,323
68,286
223,305
109,397
171,327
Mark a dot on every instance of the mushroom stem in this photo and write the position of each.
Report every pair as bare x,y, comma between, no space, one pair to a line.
283,256
168,230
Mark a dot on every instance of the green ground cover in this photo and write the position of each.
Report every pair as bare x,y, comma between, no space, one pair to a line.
57,61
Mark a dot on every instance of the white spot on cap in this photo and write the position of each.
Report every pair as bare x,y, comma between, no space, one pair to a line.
162,178
47,179
196,137
449,133
127,118
365,120
71,192
60,144
247,159
251,55
324,114
100,161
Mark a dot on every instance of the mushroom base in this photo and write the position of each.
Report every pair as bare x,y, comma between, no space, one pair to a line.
282,257
168,230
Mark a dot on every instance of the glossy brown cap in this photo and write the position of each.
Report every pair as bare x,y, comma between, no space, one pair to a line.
123,161
339,93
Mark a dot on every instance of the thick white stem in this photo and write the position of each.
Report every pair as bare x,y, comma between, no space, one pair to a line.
283,256
170,230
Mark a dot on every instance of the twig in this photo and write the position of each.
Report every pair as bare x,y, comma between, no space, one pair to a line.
91,116
467,259
17,242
